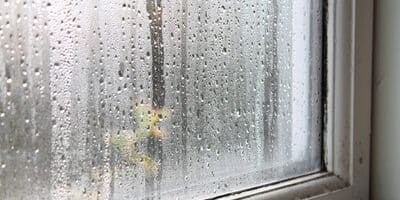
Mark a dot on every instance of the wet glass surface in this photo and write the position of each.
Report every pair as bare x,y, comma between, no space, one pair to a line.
157,99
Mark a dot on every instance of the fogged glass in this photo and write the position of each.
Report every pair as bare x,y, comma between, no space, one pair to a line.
157,99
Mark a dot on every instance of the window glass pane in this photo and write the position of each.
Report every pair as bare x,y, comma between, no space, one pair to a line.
132,99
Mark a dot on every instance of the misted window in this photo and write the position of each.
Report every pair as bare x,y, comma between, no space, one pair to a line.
157,99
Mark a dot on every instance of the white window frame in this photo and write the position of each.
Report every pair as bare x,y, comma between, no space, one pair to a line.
348,112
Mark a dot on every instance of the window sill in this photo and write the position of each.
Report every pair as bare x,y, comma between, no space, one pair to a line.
316,185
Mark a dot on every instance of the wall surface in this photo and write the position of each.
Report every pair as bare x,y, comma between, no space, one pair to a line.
386,129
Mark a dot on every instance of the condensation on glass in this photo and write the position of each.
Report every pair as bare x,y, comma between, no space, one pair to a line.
157,99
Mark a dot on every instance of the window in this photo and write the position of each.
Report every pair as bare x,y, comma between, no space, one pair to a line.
116,99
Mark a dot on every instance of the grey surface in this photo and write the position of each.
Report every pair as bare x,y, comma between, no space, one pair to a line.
386,128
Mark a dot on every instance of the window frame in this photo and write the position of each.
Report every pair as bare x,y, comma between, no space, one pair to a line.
347,129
